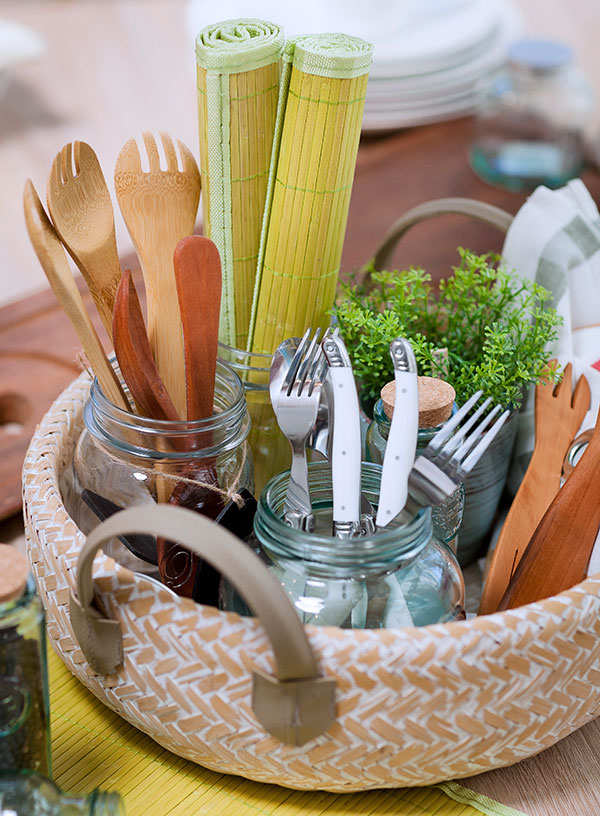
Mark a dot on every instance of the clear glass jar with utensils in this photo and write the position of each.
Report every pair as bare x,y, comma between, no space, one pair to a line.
446,517
530,120
399,576
122,459
24,704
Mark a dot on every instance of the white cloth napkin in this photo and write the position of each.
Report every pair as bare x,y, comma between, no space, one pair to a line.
554,239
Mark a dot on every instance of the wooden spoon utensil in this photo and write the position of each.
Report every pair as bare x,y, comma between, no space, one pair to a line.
159,208
558,416
54,262
198,279
81,209
134,355
558,554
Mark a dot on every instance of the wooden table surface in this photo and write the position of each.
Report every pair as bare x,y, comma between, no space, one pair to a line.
116,67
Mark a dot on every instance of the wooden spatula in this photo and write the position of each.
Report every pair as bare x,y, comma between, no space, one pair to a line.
134,355
159,207
557,419
198,278
54,262
81,209
558,554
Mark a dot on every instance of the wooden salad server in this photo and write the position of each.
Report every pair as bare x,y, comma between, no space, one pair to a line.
134,356
81,209
558,554
159,208
558,416
54,262
198,277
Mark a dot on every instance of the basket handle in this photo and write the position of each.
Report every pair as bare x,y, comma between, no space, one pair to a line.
487,213
297,704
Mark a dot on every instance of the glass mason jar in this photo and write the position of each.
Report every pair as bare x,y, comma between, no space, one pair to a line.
270,448
531,118
31,794
447,517
24,705
401,576
122,460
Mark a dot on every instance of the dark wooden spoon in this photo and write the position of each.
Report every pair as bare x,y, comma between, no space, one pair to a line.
134,355
558,554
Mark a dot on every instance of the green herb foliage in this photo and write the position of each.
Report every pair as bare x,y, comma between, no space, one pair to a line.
495,325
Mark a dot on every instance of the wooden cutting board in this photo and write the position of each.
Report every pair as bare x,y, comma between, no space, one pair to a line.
38,359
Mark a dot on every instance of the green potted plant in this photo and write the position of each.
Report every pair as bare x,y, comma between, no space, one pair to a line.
495,329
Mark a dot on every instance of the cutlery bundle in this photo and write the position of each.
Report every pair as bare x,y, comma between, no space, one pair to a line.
305,372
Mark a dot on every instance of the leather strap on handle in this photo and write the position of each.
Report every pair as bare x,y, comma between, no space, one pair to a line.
297,704
487,213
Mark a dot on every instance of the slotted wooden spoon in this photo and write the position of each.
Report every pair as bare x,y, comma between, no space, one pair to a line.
54,262
159,208
135,357
81,209
558,416
558,554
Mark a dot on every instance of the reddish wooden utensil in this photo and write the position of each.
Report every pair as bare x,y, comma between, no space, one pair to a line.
198,280
557,419
134,355
559,551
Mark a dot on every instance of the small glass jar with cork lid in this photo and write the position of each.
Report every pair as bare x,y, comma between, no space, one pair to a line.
24,704
436,405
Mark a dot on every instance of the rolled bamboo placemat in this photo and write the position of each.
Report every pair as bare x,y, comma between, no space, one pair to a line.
238,70
321,101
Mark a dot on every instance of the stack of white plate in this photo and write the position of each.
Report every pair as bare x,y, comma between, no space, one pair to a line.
429,57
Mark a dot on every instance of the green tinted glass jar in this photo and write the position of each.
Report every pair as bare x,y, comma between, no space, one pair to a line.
31,794
400,576
24,706
447,517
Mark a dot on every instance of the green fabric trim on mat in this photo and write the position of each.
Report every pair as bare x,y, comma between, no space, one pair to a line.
219,163
477,800
235,46
329,55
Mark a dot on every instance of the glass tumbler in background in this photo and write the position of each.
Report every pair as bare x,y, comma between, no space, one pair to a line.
24,703
530,120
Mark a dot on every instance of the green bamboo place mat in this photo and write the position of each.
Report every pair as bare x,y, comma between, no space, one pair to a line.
94,747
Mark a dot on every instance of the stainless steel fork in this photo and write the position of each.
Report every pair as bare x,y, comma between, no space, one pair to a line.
454,451
296,404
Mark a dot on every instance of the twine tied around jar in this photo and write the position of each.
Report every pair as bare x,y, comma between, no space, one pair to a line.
231,494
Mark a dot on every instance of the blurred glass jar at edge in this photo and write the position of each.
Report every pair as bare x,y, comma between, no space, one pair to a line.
31,794
530,119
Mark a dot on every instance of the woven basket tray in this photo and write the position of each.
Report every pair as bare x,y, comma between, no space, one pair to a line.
412,706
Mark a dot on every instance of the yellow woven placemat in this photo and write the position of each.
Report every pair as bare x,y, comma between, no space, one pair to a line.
94,747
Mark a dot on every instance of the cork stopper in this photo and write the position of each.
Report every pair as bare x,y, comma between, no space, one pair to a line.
436,398
13,573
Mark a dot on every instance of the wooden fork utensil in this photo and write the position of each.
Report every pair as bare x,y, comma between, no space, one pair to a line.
558,416
81,209
159,208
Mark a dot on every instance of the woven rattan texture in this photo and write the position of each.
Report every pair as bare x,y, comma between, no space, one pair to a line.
414,706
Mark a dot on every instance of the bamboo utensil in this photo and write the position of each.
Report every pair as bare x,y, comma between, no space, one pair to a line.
198,279
81,210
134,355
322,93
238,77
53,259
558,554
159,208
558,416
